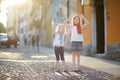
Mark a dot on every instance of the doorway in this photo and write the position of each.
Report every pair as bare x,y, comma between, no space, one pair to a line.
100,32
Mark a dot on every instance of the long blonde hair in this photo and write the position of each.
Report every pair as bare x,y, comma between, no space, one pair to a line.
58,26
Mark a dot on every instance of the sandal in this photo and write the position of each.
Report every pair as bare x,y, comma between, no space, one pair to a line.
74,70
65,71
57,70
79,71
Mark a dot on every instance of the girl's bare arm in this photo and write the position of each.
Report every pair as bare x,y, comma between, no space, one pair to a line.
67,20
86,21
67,30
54,28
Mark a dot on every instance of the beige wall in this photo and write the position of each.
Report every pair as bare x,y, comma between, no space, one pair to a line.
48,28
113,23
45,28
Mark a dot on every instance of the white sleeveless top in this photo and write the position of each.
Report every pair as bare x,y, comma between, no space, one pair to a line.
74,35
58,41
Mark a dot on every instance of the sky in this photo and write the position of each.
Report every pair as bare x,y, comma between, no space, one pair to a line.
4,5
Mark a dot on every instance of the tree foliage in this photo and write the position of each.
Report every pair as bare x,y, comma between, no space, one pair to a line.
1,1
2,28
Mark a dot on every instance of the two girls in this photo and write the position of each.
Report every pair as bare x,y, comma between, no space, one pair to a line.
76,41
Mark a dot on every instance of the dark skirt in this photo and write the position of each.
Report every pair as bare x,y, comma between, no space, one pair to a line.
77,46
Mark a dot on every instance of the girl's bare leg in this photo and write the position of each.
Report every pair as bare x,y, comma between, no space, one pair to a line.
57,65
78,59
64,65
74,60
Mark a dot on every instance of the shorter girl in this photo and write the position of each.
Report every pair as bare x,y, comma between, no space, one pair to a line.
58,44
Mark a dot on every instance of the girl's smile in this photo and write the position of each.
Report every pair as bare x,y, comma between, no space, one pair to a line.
76,20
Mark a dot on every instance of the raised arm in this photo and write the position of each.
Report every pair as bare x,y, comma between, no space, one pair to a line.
67,29
67,20
54,28
86,21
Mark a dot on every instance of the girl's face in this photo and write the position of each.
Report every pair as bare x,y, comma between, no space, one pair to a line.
76,20
61,28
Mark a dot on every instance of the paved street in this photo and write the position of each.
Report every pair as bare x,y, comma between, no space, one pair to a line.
26,63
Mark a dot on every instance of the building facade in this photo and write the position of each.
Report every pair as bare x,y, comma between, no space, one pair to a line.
101,35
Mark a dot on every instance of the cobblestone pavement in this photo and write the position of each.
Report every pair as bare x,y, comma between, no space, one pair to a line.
41,70
26,64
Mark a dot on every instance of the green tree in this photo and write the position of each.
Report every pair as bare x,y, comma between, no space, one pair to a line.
2,28
0,3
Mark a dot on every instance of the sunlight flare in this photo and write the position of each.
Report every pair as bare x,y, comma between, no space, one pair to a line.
14,2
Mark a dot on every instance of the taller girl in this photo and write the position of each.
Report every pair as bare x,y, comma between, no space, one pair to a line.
77,40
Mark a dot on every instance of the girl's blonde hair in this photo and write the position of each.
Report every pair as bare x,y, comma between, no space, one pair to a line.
59,26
